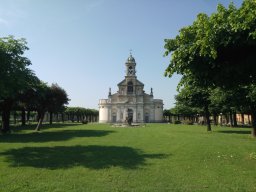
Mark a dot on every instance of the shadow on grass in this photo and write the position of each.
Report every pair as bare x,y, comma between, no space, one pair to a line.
19,128
93,157
58,135
235,132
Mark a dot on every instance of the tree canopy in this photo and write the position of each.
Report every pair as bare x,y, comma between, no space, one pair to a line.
19,86
218,49
15,76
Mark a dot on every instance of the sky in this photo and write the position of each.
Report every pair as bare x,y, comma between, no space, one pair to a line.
82,45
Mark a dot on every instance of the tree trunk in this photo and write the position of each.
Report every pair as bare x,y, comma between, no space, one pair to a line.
254,123
6,121
215,119
28,115
249,121
62,117
242,115
23,117
41,118
14,117
38,116
227,119
7,105
234,119
50,118
207,117
231,119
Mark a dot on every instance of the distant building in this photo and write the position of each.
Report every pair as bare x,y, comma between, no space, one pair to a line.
130,101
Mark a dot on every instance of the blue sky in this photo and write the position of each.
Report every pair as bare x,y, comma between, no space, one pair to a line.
82,45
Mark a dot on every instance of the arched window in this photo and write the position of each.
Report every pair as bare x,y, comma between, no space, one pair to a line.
130,87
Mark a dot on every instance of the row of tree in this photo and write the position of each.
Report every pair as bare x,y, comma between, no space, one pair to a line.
20,89
81,114
217,102
70,114
216,58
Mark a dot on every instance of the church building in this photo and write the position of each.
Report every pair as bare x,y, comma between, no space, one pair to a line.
130,101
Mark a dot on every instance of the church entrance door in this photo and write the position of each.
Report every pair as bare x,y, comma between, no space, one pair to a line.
147,118
114,119
130,114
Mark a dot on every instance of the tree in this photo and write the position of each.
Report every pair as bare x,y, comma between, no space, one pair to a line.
167,113
57,99
218,50
25,101
80,113
15,77
183,109
50,99
42,100
229,102
195,96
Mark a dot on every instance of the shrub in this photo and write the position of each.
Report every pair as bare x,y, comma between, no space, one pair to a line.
84,121
177,122
188,122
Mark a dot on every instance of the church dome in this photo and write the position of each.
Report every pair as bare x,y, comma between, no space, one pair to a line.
131,59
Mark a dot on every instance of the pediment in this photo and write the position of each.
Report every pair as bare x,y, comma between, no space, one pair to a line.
124,83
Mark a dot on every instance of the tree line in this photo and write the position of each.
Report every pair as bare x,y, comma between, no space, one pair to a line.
21,90
67,114
81,114
216,58
222,105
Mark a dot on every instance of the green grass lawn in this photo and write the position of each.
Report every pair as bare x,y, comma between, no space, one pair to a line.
157,157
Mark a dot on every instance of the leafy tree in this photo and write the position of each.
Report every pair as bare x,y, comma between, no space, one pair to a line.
217,50
42,100
25,102
80,113
182,108
229,102
251,104
193,96
15,75
167,113
57,99
50,99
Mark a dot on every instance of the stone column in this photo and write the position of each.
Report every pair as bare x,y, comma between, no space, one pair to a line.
124,114
109,115
118,118
135,114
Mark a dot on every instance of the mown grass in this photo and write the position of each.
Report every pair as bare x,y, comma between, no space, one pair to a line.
157,157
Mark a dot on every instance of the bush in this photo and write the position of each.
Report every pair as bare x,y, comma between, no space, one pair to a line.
177,122
188,122
84,121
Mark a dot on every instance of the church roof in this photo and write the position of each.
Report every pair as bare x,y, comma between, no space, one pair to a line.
124,83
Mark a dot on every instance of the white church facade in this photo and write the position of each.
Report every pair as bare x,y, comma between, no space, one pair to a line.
130,101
